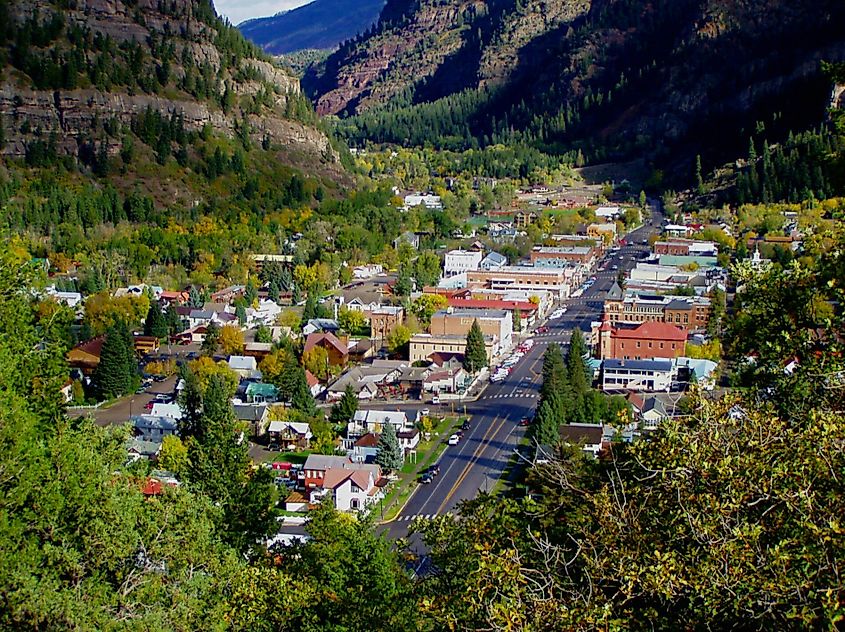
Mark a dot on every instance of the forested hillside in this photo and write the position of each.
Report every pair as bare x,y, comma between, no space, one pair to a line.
613,79
321,24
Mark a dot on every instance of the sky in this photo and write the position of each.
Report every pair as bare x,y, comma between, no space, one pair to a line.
239,10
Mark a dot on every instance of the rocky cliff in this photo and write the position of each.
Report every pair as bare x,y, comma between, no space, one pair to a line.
612,77
72,70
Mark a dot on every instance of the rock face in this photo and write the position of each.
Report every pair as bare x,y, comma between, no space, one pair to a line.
180,35
633,74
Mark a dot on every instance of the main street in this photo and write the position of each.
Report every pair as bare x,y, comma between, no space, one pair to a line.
477,462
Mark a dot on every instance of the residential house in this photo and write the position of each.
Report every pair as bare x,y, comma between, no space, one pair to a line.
366,381
172,410
653,413
461,261
256,416
364,421
338,352
429,200
677,230
591,437
153,428
409,238
261,393
643,341
265,314
364,448
227,295
493,261
145,345
245,366
367,271
315,467
314,384
408,440
352,490
321,325
71,299
447,381
608,213
637,375
446,360
291,435
523,219
137,449
86,355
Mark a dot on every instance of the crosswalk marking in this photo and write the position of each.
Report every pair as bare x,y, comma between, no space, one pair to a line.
508,396
408,518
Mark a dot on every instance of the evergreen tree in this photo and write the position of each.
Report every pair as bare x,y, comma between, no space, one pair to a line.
388,452
475,353
273,291
343,411
173,320
546,425
577,376
240,312
301,398
311,309
404,284
195,299
155,323
699,180
517,321
250,293
113,375
211,340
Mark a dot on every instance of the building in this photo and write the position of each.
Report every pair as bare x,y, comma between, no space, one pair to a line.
428,200
337,350
261,393
424,345
493,261
606,232
315,467
412,239
290,435
152,428
458,321
461,261
686,247
244,366
527,310
145,345
590,437
351,489
688,261
636,375
384,320
688,312
364,421
643,341
86,355
447,381
560,257
557,281
608,213
523,219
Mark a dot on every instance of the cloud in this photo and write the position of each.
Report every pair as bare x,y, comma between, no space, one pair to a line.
239,10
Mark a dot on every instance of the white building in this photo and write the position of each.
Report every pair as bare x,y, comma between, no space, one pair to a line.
461,261
352,490
608,212
365,421
637,375
265,314
425,199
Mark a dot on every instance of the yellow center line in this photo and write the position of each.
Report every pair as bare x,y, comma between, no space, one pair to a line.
493,429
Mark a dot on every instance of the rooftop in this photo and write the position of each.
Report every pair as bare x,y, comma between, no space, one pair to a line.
639,365
653,330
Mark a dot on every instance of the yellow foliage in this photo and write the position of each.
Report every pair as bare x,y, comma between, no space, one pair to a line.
205,367
165,367
103,311
231,339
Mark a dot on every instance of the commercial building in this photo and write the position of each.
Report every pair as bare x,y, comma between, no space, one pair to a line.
557,281
423,345
686,247
636,375
645,341
687,312
461,261
560,257
458,321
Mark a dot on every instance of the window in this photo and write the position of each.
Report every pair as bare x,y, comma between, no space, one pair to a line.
661,345
638,344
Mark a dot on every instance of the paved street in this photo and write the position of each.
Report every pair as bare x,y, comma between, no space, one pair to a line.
479,459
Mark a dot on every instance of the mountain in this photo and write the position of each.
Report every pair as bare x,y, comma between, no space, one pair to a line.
321,24
90,78
613,78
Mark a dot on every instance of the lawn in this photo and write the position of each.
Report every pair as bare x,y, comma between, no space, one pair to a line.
289,457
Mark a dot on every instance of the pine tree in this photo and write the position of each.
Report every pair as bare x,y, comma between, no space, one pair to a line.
546,425
388,452
240,312
343,411
113,375
173,321
301,398
211,340
195,298
577,376
155,323
517,321
250,293
699,180
475,353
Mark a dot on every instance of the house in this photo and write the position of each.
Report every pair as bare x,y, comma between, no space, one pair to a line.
643,341
606,232
265,314
676,230
366,381
446,360
700,371
409,238
608,212
461,261
177,297
254,415
408,440
314,384
365,272
315,467
493,261
153,428
137,449
227,295
591,437
291,435
637,375
245,366
171,411
428,200
447,381
144,345
261,393
364,448
338,352
86,355
364,421
523,219
352,490
71,299
653,413
321,325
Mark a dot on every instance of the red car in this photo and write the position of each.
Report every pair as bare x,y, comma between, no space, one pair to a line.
542,330
525,421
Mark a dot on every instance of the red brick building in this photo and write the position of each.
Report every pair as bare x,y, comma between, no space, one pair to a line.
645,341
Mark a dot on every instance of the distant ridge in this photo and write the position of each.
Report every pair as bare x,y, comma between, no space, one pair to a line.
322,24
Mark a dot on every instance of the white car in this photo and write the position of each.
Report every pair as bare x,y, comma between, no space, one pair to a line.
454,440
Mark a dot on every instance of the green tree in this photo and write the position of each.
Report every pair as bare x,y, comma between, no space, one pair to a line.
351,320
427,269
195,299
388,451
155,323
397,340
404,283
263,334
174,455
343,411
212,339
240,312
425,306
301,398
475,352
114,373
517,320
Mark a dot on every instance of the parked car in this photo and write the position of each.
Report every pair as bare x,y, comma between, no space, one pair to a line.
466,425
433,469
542,330
525,421
435,400
454,440
425,479
148,406
140,389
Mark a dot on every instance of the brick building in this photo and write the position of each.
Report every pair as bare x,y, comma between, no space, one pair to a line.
687,312
457,322
645,341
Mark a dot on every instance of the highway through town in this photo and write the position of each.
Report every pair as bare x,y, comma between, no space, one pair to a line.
477,462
